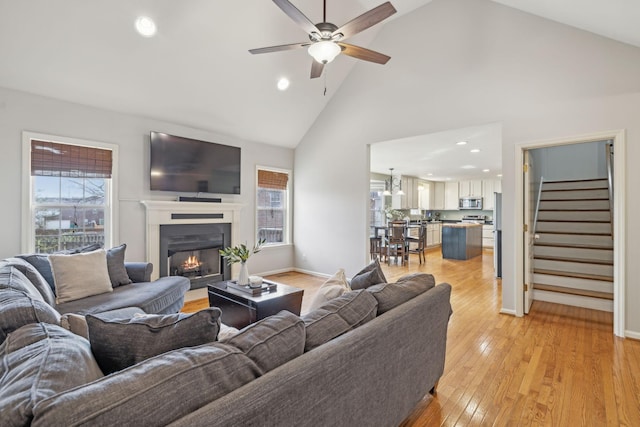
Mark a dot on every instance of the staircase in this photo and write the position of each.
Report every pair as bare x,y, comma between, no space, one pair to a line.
573,252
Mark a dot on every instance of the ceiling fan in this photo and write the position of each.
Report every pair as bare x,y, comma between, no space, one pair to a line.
326,39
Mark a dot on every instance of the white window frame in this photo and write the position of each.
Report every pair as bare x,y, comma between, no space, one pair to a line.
288,204
111,189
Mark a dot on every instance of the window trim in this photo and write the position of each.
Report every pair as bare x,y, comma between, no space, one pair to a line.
289,204
111,232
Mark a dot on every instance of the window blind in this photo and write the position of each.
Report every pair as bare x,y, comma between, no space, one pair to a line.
66,160
272,180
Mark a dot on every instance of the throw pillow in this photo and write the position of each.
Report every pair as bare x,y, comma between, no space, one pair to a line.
335,286
38,361
80,275
119,343
338,316
77,323
370,275
272,341
41,263
155,392
115,265
390,295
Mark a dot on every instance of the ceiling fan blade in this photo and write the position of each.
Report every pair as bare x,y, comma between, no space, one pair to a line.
316,69
278,48
295,14
366,20
364,54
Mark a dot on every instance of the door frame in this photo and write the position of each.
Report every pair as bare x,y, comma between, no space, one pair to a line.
619,222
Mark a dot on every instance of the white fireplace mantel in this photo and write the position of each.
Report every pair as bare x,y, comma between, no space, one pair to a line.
171,212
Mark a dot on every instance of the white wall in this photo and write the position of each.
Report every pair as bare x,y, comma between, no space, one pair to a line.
20,111
571,162
458,63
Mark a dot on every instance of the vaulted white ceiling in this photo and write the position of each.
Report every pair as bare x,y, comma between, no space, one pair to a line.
197,71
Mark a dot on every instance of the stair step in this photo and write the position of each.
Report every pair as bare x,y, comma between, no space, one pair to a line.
571,185
574,267
573,245
575,205
601,215
565,253
584,293
574,239
574,260
574,282
576,275
573,227
589,194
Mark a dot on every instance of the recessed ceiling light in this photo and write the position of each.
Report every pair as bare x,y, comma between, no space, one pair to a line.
461,143
486,170
475,150
468,167
145,26
499,175
283,83
429,174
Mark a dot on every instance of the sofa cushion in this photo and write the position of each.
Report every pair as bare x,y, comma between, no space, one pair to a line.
119,343
338,316
157,391
390,295
80,275
165,295
34,277
370,275
115,266
332,288
272,341
38,361
21,304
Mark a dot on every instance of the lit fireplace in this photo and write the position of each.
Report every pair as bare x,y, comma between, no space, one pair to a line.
193,251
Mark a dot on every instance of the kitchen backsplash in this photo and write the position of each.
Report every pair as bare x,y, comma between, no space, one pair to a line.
452,215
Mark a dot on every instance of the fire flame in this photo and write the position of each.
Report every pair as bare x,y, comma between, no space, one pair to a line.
192,262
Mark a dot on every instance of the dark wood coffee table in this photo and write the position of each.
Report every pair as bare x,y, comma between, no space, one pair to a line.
240,308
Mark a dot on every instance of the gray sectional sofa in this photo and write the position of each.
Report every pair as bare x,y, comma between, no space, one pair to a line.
364,358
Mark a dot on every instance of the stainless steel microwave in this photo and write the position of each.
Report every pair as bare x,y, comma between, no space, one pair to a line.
470,203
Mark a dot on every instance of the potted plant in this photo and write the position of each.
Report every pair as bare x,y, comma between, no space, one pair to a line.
241,254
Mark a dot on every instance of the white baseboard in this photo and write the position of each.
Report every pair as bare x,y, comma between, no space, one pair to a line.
632,334
270,272
313,273
507,311
574,300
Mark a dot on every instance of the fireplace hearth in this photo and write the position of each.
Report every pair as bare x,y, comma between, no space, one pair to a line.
193,251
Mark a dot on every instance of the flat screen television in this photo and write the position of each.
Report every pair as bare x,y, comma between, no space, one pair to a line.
191,166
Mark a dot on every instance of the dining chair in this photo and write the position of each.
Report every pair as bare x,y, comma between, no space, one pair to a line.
397,242
420,242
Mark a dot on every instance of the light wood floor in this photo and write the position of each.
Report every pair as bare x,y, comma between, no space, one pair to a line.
558,366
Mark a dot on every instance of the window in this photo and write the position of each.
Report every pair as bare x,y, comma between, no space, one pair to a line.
68,186
272,206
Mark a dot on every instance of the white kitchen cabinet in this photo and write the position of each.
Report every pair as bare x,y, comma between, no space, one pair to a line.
425,194
434,234
438,196
471,188
451,196
490,186
487,236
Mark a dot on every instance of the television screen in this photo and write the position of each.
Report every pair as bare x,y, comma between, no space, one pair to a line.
188,165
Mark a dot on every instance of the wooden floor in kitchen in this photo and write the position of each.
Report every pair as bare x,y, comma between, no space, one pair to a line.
558,366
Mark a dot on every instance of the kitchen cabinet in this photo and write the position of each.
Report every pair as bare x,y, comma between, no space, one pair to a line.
490,186
424,191
487,236
434,234
451,195
470,188
438,196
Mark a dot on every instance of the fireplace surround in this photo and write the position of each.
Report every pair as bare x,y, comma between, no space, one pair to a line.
207,228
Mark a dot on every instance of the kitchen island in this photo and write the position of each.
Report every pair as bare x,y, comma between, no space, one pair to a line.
461,240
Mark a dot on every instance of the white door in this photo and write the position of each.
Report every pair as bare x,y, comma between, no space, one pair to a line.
529,232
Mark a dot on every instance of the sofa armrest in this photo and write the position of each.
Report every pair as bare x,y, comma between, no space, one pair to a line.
139,271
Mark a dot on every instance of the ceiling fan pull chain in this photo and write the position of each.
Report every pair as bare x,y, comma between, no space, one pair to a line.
325,82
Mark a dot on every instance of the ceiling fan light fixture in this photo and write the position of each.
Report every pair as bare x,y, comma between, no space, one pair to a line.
145,26
324,51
